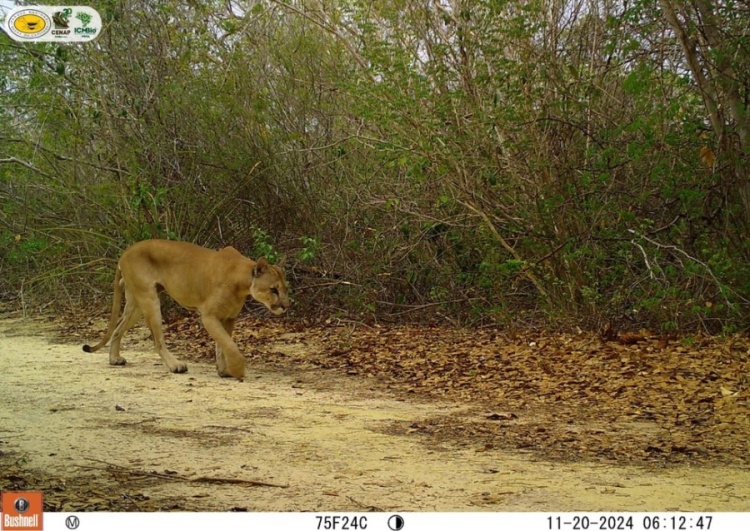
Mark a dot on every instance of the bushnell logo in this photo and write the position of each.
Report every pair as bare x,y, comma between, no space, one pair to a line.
22,511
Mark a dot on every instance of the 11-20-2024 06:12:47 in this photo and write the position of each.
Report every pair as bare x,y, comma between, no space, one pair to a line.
630,523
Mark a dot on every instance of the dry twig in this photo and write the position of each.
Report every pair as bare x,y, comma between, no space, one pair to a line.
110,467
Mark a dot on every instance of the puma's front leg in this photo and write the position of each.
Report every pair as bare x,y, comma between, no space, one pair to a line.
221,362
229,360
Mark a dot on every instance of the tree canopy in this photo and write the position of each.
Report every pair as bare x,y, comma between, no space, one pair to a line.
552,161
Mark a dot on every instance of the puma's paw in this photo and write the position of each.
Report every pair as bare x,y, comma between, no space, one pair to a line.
179,367
237,371
119,360
240,377
223,373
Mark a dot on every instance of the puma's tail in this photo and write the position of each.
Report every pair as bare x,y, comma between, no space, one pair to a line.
116,300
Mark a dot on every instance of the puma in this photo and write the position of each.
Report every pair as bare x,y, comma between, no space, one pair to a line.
213,283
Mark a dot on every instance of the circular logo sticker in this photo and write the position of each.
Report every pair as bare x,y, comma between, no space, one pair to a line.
21,505
29,23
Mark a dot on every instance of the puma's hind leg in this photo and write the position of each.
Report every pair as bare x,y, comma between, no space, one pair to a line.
149,305
129,317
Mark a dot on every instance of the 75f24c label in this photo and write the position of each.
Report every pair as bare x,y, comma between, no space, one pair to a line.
342,523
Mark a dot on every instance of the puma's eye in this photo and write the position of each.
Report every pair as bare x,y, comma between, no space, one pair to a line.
275,291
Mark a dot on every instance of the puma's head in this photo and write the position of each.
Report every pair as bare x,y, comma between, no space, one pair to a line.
269,286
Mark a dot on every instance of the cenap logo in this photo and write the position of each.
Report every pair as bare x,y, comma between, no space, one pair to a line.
60,18
29,23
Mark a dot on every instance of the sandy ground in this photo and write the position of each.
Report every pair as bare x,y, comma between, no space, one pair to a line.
139,438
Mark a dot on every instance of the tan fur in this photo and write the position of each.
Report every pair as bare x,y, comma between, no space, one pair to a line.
213,283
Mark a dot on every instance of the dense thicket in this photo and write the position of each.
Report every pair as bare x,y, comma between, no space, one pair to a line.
556,161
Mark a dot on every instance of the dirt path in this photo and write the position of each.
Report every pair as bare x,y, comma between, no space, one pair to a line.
138,438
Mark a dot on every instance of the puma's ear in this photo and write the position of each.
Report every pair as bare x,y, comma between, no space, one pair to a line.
282,262
260,267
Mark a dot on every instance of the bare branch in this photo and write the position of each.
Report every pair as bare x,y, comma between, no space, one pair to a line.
698,261
326,27
27,165
491,226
